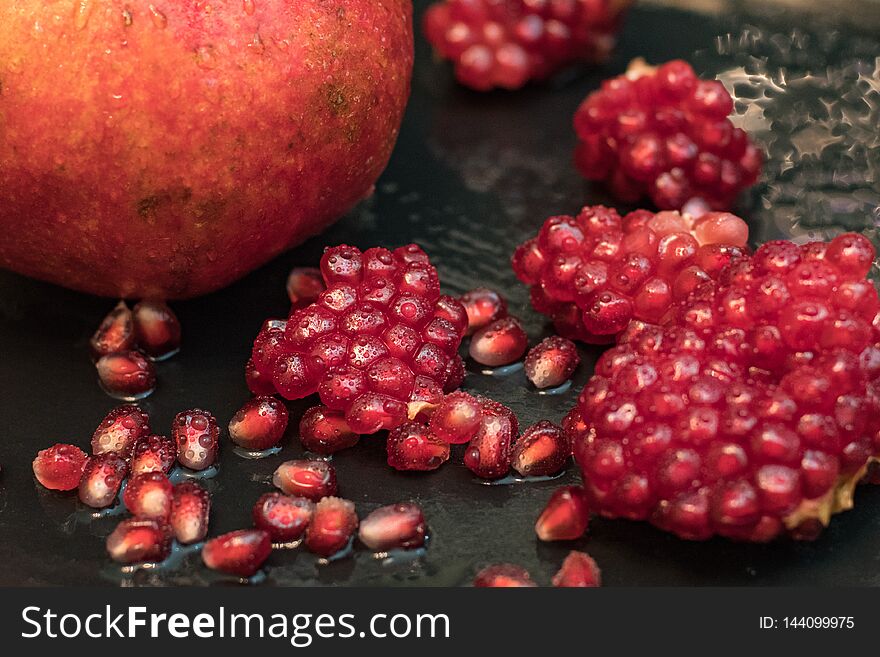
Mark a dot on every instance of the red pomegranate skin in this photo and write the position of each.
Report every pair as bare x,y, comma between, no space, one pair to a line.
164,148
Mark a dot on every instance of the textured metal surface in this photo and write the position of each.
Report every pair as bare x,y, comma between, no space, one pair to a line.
472,176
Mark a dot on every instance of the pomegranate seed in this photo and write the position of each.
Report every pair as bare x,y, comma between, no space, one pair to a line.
115,334
126,375
500,343
136,540
400,525
332,526
457,418
551,362
412,446
269,346
372,412
578,570
257,383
195,432
492,407
304,285
190,510
542,450
259,424
566,516
241,552
483,306
455,374
101,478
156,329
488,453
285,517
503,575
324,431
149,495
120,430
454,312
311,479
153,454
60,467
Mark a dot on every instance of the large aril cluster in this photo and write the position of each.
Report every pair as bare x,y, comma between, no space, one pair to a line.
506,43
379,341
753,410
593,273
665,134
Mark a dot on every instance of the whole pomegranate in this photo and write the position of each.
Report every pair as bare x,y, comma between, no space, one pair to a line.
164,148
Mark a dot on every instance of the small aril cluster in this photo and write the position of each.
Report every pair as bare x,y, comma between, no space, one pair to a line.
578,570
663,133
127,343
593,273
506,43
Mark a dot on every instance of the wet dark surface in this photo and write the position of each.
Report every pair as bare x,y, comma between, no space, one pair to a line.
472,176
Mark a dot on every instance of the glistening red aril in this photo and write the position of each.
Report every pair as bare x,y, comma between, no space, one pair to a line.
332,526
457,418
101,479
60,467
196,434
566,516
579,570
115,334
190,512
285,517
413,446
397,526
324,431
153,454
551,362
126,375
149,495
304,284
259,424
483,306
488,453
311,479
241,552
542,450
503,575
156,329
136,540
120,430
500,343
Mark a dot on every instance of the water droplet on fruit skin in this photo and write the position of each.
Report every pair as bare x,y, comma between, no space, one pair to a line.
249,7
159,19
82,11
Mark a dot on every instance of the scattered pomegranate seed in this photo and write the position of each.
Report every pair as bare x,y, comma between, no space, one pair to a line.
483,306
241,552
149,495
257,383
542,450
153,454
551,362
101,478
397,526
136,540
500,343
120,430
285,517
488,453
456,419
126,375
566,516
578,570
503,575
190,511
156,329
332,526
372,412
304,285
311,479
454,312
60,467
196,434
115,334
324,431
259,424
412,446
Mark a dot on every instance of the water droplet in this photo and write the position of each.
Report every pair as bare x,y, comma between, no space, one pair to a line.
159,19
82,10
249,7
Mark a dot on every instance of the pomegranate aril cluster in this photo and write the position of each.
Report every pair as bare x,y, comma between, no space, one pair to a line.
663,133
506,43
753,411
377,340
594,272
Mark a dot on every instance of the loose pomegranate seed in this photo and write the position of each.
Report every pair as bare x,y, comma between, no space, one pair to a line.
488,453
257,383
483,306
153,454
241,552
120,430
578,570
542,450
285,517
115,334
454,312
324,431
332,526
126,375
413,446
60,467
457,418
500,343
311,479
397,526
503,575
551,362
372,412
304,285
149,495
190,510
136,540
566,516
101,478
259,424
156,329
196,434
